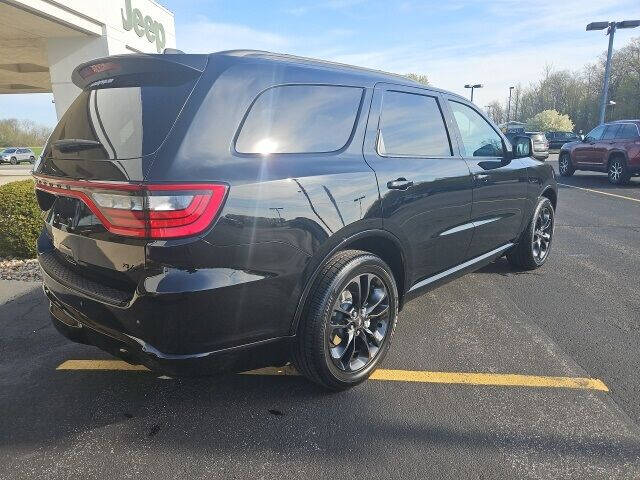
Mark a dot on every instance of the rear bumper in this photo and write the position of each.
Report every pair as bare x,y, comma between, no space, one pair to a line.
273,351
181,321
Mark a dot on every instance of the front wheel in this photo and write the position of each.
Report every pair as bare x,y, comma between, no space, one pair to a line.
348,321
535,243
565,166
14,161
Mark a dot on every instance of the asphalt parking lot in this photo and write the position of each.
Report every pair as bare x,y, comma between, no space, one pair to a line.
570,329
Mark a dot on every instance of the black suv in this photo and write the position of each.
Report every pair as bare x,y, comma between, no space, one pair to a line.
241,209
557,139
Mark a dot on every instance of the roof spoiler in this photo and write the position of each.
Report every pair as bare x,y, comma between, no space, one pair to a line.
124,70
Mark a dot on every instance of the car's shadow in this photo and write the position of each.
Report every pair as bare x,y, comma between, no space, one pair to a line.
501,266
243,416
599,181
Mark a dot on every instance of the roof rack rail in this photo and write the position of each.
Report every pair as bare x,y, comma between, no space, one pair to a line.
172,51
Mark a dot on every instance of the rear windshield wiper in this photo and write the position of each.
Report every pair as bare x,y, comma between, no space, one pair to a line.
75,144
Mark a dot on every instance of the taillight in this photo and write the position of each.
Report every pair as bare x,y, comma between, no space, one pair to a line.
157,211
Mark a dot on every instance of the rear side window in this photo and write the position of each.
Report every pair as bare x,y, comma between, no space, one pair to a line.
412,125
300,119
478,137
627,131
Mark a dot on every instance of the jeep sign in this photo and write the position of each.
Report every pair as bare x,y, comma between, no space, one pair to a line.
143,26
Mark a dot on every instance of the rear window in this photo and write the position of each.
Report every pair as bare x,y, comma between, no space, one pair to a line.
300,119
128,122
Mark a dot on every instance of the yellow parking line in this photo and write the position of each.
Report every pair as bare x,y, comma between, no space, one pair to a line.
462,378
100,365
601,193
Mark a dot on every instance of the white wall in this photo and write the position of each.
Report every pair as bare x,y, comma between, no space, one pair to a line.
101,33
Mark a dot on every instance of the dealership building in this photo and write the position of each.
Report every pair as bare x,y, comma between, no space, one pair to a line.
41,41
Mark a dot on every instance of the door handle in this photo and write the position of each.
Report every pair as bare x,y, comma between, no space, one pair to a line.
482,176
399,184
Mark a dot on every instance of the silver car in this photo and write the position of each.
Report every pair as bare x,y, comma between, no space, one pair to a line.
14,155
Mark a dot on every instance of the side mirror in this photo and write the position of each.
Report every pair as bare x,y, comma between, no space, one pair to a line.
522,146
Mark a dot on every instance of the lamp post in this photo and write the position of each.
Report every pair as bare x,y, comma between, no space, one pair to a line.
612,104
509,107
477,85
611,30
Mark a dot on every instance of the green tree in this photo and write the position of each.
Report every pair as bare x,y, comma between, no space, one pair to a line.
550,121
418,77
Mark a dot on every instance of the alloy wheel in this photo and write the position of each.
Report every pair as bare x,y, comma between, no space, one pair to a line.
359,323
615,171
564,164
542,234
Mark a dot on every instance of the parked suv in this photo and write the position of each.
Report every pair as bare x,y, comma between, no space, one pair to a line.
14,155
540,143
245,209
557,139
612,147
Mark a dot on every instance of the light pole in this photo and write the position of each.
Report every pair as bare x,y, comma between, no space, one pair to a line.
612,104
477,85
611,30
509,107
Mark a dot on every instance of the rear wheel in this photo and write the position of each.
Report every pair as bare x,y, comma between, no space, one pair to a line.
14,161
535,244
348,321
617,171
32,159
565,166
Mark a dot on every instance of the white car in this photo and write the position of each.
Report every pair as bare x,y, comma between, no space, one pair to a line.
14,155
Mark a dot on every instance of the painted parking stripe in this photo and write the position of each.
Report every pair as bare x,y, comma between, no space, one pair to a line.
100,365
460,378
601,193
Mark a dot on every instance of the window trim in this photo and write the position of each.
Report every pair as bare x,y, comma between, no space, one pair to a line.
233,147
461,147
444,123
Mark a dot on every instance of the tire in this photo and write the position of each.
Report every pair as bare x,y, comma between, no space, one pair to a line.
32,160
14,161
617,171
565,166
319,352
534,246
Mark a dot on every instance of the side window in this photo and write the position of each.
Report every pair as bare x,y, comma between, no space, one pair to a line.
412,125
595,134
300,119
627,130
610,132
478,137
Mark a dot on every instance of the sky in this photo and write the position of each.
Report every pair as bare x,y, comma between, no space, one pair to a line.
497,43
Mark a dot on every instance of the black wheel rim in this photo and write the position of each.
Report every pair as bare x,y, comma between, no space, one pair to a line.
542,234
359,323
615,171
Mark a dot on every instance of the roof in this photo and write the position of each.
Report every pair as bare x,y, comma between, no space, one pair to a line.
377,75
632,120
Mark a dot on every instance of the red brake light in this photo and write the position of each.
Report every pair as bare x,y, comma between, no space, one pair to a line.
96,68
157,211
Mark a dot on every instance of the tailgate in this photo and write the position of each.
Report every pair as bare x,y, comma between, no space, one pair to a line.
107,139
